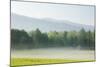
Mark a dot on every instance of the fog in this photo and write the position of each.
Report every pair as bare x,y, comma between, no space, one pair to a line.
53,53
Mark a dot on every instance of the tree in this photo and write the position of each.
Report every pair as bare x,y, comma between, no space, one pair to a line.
82,38
20,38
72,39
91,39
36,39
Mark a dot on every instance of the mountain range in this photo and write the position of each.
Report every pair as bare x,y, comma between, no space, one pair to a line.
45,24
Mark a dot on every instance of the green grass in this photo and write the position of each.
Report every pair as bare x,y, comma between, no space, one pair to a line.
37,61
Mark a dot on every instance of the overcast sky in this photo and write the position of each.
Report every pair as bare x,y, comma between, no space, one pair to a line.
75,13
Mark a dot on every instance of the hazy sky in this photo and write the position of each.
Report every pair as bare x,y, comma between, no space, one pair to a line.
74,13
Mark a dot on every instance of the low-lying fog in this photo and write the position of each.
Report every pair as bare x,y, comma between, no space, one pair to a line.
61,53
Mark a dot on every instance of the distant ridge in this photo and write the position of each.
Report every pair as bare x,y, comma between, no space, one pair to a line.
45,25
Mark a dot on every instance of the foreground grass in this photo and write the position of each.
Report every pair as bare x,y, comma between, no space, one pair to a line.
37,61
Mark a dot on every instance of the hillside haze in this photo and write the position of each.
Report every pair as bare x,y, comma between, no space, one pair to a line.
46,24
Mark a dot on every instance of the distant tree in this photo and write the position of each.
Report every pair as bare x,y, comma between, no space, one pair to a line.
72,39
44,38
36,38
91,40
82,38
20,38
64,38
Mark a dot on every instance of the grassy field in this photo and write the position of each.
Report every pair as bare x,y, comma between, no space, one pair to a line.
50,56
36,61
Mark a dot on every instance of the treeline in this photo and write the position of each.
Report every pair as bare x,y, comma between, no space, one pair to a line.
20,39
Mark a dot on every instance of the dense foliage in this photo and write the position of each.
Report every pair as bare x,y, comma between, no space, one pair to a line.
20,39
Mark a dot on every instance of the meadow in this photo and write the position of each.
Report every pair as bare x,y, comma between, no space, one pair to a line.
40,61
50,56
